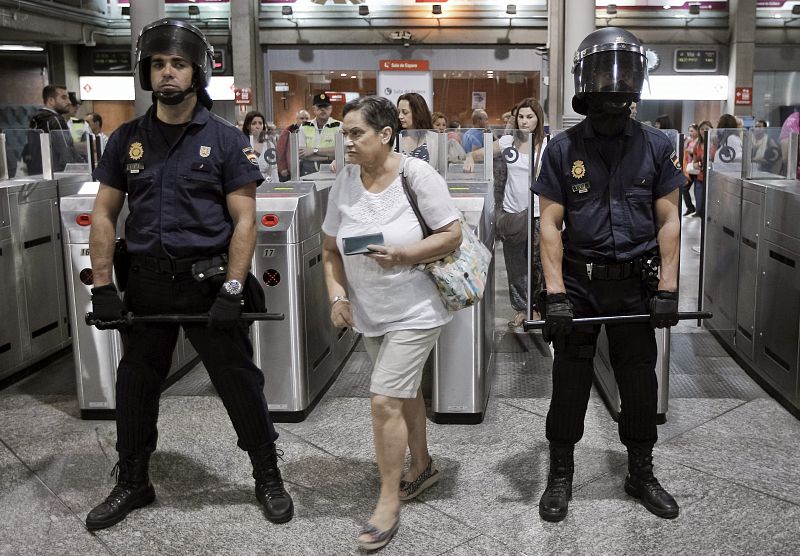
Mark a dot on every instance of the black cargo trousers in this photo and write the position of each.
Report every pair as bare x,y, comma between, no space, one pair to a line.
148,347
633,353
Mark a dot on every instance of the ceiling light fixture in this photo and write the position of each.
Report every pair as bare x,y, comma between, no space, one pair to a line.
20,48
437,9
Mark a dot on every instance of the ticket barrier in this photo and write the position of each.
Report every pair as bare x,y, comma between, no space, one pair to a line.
302,355
97,352
462,357
33,306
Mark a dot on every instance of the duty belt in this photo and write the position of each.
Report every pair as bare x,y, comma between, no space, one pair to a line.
175,266
603,271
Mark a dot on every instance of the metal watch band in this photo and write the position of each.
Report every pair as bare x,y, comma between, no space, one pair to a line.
339,298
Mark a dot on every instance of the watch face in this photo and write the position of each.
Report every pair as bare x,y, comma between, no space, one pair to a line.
233,287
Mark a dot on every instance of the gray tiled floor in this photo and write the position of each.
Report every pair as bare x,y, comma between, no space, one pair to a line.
728,452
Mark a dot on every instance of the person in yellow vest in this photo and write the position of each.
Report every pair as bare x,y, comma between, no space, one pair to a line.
317,137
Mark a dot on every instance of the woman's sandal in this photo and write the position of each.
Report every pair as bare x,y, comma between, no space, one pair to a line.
378,539
426,479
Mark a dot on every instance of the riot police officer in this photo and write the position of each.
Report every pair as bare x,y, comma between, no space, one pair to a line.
190,179
613,184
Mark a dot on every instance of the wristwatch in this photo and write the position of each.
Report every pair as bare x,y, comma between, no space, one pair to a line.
316,150
339,298
233,287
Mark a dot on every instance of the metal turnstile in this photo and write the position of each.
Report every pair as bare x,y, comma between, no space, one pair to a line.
301,355
32,298
462,370
607,384
97,352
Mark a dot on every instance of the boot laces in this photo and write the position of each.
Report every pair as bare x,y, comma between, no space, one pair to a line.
557,485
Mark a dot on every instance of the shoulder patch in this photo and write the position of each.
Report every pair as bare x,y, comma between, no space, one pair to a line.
333,124
251,155
308,123
675,160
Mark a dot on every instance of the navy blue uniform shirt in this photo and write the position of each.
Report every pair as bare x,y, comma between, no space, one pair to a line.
608,188
176,196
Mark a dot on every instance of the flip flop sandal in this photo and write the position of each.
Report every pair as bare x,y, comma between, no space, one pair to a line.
378,538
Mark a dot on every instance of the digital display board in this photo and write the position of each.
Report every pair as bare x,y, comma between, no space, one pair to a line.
695,60
111,61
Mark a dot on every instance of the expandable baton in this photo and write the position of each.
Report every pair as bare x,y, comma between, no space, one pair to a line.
130,318
619,319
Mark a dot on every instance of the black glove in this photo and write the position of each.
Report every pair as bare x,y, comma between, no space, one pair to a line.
664,309
107,308
558,316
225,312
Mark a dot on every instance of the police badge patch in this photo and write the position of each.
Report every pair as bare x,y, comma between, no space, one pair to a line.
136,151
251,155
675,160
205,151
578,169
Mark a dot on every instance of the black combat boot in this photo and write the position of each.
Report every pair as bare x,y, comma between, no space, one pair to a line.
642,484
133,490
277,503
555,500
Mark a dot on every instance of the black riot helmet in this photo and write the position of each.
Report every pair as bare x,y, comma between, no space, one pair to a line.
173,36
610,60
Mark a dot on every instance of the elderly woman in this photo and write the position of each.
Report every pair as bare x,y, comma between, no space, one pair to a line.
383,295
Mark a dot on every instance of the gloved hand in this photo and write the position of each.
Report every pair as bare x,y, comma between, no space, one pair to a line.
107,308
558,316
664,309
224,313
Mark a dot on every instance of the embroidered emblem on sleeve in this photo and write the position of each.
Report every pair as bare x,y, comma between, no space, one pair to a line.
251,155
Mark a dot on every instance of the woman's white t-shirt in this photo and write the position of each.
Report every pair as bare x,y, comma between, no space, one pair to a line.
515,197
400,297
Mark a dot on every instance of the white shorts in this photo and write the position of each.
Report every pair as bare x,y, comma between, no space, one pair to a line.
398,358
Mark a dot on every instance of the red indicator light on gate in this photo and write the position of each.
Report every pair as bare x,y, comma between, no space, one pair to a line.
84,219
272,277
269,220
86,276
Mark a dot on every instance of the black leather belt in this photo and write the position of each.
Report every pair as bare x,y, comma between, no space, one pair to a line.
175,266
603,271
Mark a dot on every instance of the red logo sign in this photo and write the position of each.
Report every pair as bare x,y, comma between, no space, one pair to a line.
744,96
403,65
243,96
334,96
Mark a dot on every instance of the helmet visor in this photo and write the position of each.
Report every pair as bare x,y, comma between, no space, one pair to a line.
610,71
175,40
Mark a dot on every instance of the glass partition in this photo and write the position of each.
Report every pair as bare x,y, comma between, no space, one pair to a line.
316,157
725,150
23,152
68,155
764,157
266,150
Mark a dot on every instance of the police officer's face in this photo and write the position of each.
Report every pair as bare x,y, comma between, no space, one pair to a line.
362,144
406,118
170,73
527,120
323,112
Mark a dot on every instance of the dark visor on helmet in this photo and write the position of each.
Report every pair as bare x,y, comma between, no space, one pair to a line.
610,71
170,39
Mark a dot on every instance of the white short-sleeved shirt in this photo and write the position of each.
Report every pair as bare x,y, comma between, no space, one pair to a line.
401,297
518,186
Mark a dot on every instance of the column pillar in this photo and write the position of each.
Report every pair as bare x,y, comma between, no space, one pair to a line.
742,50
143,12
566,30
245,54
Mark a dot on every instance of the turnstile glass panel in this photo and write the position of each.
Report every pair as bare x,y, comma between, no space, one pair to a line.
23,152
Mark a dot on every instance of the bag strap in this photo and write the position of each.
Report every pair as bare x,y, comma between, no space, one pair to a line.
412,199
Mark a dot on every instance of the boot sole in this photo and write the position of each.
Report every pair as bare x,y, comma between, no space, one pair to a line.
95,525
666,514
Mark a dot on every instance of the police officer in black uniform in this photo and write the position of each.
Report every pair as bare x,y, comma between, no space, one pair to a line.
190,178
613,183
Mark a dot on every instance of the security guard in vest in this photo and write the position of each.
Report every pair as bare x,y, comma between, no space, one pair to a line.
613,183
190,179
318,136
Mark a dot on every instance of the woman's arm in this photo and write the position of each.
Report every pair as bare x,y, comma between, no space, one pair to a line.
440,243
336,281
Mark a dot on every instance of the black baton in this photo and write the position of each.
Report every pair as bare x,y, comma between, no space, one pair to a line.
619,319
130,318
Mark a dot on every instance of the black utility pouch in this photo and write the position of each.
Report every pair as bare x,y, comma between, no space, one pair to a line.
122,264
651,264
208,268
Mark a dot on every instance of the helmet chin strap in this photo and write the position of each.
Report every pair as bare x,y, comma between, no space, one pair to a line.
173,97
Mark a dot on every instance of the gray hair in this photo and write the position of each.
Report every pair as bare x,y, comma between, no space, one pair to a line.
378,112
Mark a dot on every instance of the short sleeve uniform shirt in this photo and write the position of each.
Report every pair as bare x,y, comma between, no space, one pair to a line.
608,187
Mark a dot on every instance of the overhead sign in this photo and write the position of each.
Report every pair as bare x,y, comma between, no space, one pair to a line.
403,65
111,61
120,87
744,96
686,87
695,60
243,96
335,97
